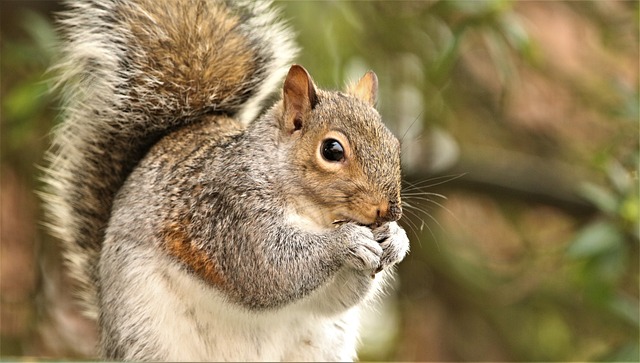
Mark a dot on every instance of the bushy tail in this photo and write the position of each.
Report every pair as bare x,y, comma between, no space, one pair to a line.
132,71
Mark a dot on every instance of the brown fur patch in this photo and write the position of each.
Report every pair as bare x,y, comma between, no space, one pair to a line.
179,245
192,49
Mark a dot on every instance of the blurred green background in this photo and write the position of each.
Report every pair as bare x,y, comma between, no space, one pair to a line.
519,124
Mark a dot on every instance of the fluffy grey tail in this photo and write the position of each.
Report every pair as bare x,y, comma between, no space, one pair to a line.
132,71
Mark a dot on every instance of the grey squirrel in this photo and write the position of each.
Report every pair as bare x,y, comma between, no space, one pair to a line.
198,229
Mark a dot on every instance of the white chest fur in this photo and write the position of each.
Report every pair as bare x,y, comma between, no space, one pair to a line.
180,318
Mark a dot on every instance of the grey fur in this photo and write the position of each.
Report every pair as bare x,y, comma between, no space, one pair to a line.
105,131
195,231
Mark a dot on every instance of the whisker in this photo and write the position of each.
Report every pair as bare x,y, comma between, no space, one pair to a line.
428,227
439,179
412,224
425,199
414,209
410,126
413,227
417,194
445,209
431,217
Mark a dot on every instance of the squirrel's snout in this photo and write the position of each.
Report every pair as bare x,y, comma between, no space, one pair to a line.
388,212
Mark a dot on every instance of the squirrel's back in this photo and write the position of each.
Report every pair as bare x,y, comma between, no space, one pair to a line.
132,71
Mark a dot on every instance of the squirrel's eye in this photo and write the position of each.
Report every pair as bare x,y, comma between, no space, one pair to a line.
332,150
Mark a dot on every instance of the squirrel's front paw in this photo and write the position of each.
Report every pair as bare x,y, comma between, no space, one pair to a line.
364,252
394,242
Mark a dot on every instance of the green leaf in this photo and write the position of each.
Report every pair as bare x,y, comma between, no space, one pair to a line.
596,239
23,101
627,308
602,198
630,209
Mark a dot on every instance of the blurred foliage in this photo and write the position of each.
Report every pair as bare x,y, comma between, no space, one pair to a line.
536,102
26,100
519,123
27,114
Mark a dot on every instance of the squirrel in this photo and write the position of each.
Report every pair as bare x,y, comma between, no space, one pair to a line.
198,225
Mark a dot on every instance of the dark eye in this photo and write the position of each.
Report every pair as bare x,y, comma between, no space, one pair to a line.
332,150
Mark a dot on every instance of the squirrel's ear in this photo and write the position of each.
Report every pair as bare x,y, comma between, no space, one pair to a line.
299,96
366,89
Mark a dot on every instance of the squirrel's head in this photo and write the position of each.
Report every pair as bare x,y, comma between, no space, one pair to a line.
346,162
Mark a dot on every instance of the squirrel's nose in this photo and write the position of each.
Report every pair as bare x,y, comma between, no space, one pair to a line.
388,211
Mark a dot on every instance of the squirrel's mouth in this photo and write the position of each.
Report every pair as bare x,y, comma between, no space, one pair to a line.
368,214
343,220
